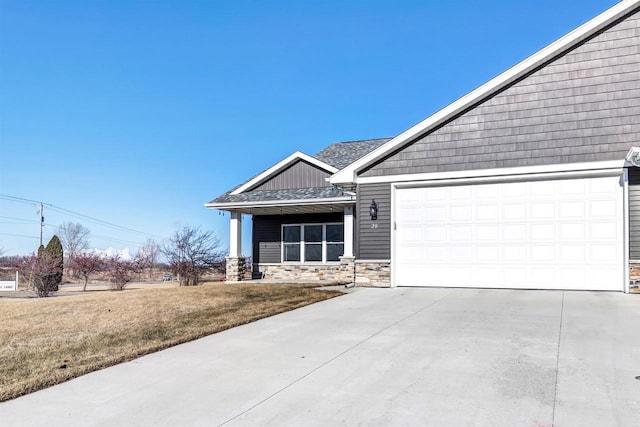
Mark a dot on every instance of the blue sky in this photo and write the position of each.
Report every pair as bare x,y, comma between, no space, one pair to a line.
137,113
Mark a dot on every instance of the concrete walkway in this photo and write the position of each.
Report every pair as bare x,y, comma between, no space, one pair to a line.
438,357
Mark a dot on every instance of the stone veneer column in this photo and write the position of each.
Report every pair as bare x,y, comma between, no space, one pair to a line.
347,271
235,268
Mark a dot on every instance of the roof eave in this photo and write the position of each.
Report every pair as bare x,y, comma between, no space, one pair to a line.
349,174
277,203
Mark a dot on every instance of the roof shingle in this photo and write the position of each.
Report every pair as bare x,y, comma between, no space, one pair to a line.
342,154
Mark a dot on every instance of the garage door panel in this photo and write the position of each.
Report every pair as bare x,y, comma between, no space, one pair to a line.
514,253
606,253
602,231
556,234
435,215
458,254
543,231
542,211
572,254
516,277
603,209
514,232
572,231
460,233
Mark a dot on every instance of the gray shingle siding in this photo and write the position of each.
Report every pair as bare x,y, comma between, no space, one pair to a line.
373,243
634,213
583,106
267,229
299,175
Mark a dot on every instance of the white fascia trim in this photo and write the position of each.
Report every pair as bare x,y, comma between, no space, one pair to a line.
348,174
298,155
278,203
626,232
492,173
512,178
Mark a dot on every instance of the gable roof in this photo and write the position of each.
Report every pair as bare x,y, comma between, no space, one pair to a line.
348,174
330,159
263,176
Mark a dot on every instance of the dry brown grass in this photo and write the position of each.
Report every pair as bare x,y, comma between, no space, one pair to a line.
45,341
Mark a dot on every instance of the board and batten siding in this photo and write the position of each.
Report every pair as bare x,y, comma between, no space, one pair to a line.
582,106
373,238
267,233
301,174
634,213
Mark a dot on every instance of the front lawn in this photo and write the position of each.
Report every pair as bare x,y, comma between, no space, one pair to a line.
45,341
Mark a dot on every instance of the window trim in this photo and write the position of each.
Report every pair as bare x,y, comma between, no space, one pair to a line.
302,243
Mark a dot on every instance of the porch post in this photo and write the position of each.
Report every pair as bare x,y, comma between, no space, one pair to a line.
348,232
347,271
235,260
235,237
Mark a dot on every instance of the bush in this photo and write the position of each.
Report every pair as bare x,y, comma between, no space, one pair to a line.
42,270
55,254
121,272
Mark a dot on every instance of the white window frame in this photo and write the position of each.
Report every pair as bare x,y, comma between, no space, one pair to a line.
302,242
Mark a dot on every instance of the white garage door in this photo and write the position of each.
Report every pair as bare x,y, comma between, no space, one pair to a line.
552,234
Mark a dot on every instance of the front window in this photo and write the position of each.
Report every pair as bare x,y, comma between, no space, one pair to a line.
335,244
291,242
312,242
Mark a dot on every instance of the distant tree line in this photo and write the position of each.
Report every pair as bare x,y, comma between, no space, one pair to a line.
189,254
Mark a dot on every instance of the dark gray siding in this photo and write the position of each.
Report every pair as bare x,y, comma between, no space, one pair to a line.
373,243
634,213
267,229
583,106
299,175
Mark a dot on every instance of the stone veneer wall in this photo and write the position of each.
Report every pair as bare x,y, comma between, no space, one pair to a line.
235,268
342,272
373,273
634,276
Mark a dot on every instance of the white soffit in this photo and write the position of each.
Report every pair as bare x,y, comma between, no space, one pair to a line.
282,165
348,174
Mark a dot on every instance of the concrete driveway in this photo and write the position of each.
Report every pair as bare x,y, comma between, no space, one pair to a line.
439,357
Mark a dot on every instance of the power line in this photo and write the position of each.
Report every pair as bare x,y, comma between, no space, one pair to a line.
106,238
32,221
100,221
19,235
77,215
18,199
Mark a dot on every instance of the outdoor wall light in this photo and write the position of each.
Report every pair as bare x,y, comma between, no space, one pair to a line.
373,209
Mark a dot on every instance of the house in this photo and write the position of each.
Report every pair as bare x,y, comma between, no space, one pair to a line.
529,181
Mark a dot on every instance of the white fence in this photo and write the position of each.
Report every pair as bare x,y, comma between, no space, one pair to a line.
9,285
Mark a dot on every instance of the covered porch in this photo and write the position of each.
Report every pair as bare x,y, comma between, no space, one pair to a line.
309,240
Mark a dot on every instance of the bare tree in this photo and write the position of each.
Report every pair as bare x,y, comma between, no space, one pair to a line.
40,269
86,264
190,252
121,272
74,237
148,254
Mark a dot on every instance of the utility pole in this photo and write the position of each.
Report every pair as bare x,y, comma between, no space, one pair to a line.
41,221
